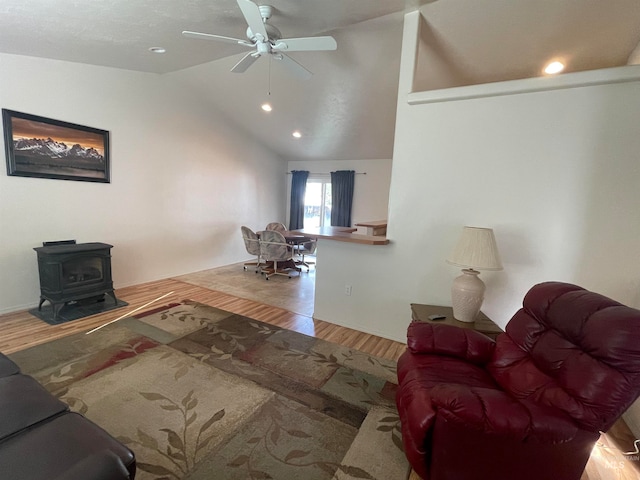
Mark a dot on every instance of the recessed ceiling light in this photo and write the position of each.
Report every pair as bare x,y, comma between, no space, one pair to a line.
157,50
297,134
266,107
554,67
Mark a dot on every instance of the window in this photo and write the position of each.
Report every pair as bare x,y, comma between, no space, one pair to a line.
317,203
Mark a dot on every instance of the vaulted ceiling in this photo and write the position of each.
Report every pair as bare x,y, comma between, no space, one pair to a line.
347,109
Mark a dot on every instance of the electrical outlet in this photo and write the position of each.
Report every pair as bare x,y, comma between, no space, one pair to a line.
347,290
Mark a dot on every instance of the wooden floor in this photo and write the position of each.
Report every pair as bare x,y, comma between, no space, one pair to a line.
21,330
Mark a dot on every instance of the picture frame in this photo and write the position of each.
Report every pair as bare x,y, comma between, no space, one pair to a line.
46,148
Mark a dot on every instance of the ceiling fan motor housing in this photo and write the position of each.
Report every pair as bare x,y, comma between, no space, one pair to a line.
265,12
273,32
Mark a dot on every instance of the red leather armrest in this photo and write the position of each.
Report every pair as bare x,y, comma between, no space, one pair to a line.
496,412
449,340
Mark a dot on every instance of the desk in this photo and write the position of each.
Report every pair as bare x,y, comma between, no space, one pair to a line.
484,325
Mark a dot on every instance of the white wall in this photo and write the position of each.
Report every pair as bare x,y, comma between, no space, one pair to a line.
554,172
182,179
371,191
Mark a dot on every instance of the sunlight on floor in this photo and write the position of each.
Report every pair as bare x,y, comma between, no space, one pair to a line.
294,294
609,461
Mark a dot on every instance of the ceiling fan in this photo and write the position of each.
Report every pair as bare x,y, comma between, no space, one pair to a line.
267,40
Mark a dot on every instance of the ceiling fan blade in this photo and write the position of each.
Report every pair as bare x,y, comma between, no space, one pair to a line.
209,36
245,63
294,67
252,15
305,44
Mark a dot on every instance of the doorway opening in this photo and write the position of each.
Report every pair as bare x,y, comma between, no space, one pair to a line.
317,203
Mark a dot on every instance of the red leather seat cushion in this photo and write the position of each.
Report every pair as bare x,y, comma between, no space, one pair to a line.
426,371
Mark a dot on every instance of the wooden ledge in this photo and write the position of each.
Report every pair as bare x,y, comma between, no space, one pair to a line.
376,223
342,234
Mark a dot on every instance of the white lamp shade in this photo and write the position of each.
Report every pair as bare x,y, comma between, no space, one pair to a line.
476,249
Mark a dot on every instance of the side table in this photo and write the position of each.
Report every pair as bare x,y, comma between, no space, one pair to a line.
484,325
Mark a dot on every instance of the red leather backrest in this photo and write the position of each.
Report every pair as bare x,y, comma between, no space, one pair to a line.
572,349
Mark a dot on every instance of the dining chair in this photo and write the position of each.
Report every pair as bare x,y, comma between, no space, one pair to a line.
307,248
252,244
274,248
276,226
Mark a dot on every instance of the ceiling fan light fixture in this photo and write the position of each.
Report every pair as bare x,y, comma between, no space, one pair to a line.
266,107
297,134
158,50
554,67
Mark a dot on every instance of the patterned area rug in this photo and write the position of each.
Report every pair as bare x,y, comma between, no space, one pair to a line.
200,393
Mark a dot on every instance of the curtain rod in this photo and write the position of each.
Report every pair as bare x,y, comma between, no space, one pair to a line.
327,173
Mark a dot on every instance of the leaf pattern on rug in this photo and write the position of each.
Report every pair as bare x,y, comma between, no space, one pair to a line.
189,310
179,364
351,379
62,376
374,361
196,407
348,375
179,452
232,340
275,435
348,357
183,316
230,343
76,404
391,424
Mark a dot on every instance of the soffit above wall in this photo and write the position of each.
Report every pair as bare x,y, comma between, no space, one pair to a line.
493,41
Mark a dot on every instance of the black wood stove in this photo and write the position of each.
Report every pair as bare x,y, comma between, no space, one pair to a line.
71,271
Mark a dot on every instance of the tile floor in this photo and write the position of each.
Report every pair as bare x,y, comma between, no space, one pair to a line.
295,294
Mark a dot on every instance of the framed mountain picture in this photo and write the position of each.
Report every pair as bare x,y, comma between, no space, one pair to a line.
46,148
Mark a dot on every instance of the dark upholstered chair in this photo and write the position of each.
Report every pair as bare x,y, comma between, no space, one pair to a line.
529,406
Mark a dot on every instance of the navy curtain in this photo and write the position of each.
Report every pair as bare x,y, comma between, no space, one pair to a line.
341,197
298,189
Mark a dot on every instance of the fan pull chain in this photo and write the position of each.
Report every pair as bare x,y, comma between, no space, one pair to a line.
269,83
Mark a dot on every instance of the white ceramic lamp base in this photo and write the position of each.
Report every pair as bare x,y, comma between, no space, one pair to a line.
467,294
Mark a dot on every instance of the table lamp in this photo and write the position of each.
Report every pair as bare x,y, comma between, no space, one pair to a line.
476,250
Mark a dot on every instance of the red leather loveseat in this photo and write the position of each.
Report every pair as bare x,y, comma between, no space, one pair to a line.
529,406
